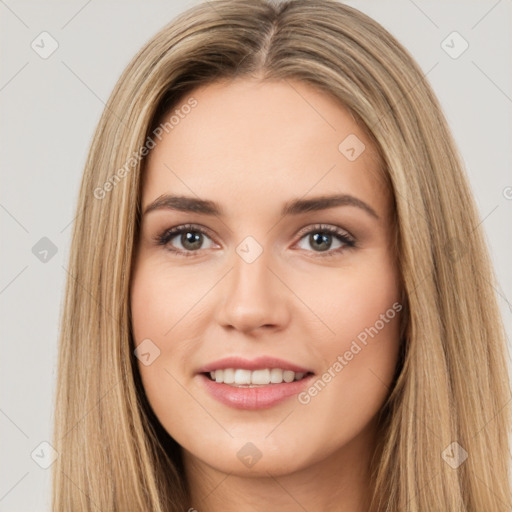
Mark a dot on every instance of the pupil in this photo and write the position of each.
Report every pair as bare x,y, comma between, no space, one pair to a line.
319,239
192,239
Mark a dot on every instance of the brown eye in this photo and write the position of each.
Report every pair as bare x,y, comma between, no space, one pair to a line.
327,239
184,240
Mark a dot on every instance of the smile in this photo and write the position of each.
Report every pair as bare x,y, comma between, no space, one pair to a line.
247,378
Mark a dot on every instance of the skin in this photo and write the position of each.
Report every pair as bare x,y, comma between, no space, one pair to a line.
251,146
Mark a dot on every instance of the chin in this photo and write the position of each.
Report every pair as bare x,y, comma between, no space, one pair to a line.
256,456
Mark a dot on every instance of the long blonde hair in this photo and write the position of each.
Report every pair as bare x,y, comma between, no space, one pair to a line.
452,383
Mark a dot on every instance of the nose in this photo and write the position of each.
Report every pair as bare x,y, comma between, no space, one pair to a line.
253,297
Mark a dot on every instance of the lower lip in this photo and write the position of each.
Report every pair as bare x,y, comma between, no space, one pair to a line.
261,397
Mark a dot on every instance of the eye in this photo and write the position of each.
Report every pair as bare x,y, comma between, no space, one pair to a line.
189,237
321,236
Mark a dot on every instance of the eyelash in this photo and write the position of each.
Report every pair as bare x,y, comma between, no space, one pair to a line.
166,236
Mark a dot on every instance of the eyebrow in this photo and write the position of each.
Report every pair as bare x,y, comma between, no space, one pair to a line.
293,207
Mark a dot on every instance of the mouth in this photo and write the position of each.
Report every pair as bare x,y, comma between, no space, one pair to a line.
243,378
261,383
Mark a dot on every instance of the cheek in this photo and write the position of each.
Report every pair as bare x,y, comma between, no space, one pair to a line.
360,357
355,299
166,318
161,298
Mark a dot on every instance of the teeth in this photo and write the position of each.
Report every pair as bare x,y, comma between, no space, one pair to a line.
288,376
260,377
229,376
276,376
240,377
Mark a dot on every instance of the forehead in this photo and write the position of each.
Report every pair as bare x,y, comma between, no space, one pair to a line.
262,142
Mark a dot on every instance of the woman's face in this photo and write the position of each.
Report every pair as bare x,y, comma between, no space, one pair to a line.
267,282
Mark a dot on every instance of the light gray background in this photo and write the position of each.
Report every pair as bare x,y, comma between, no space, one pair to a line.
50,107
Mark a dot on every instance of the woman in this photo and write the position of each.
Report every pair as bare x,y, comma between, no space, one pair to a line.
280,295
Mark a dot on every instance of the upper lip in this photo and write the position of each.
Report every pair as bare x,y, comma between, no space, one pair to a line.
252,364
